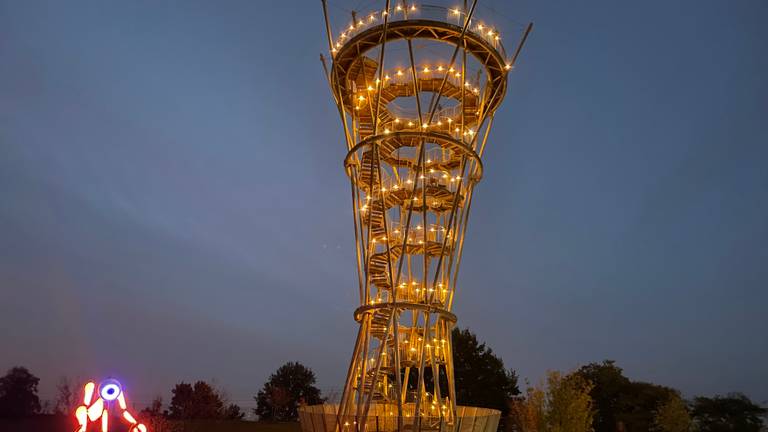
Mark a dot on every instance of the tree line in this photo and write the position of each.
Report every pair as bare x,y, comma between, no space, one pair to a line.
597,397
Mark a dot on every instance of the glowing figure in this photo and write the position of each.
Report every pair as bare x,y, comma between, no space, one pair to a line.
110,390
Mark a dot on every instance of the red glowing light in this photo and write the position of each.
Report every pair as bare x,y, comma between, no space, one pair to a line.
109,391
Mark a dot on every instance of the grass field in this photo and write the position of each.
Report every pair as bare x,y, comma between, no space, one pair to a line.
49,423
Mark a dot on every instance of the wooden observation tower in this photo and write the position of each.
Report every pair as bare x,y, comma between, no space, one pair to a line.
416,88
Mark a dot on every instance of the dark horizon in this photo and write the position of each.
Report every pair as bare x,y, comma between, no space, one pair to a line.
157,162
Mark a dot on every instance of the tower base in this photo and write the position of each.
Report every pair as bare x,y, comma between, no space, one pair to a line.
383,417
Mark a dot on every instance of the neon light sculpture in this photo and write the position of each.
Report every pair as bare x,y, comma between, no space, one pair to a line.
110,391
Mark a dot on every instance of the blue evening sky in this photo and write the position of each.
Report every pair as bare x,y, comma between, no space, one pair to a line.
173,205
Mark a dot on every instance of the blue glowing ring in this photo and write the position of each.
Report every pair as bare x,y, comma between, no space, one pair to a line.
110,389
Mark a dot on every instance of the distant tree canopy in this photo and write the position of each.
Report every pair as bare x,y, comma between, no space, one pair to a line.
289,387
156,419
200,401
609,382
565,405
734,412
569,404
18,394
480,376
528,412
672,416
67,398
621,403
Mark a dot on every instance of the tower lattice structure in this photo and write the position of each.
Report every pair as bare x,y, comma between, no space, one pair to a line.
416,88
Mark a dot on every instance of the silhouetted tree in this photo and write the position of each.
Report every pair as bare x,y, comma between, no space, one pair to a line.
638,403
569,404
672,416
564,406
279,399
527,413
18,394
67,398
480,375
734,412
609,383
232,412
622,404
195,402
156,419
